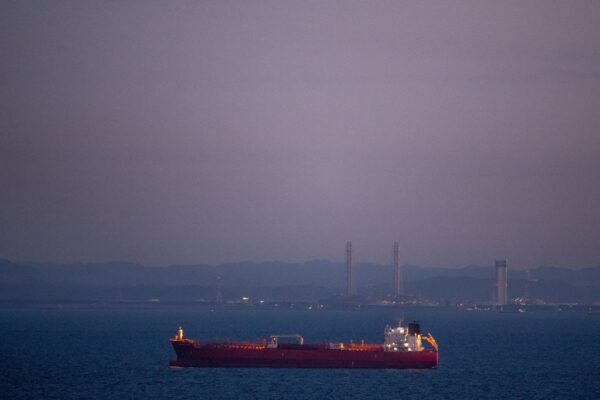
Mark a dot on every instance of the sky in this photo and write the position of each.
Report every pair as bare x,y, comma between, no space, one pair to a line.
176,132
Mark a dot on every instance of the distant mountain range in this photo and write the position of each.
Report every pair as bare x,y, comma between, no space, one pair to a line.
281,281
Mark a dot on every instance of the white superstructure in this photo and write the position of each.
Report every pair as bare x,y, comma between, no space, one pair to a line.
404,338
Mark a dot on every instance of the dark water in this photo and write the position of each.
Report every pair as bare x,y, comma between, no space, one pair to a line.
124,354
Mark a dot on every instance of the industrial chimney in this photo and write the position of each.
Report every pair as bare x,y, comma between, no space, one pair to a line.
501,283
349,288
398,287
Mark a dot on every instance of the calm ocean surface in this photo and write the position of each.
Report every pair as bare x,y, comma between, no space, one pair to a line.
124,353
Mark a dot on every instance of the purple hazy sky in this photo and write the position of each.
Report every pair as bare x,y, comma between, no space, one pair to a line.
185,132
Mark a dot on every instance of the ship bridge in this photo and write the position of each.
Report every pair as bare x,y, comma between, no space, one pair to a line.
406,338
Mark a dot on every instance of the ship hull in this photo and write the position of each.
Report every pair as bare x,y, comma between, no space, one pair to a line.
192,354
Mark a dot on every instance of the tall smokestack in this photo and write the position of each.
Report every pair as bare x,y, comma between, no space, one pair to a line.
398,289
501,283
349,288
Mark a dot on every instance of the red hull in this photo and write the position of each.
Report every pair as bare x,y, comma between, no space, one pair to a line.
193,354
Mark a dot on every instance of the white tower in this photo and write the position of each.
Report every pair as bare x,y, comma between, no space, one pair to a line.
501,283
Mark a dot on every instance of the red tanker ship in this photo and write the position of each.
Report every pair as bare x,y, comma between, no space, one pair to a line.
402,348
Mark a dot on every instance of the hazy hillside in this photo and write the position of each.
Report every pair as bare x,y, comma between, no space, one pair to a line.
309,281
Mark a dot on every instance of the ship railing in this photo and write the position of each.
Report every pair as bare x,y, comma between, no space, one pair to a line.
363,347
239,346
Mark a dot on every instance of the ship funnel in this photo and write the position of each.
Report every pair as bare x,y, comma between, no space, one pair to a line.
414,328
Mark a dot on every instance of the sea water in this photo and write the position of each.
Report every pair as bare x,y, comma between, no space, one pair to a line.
124,352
